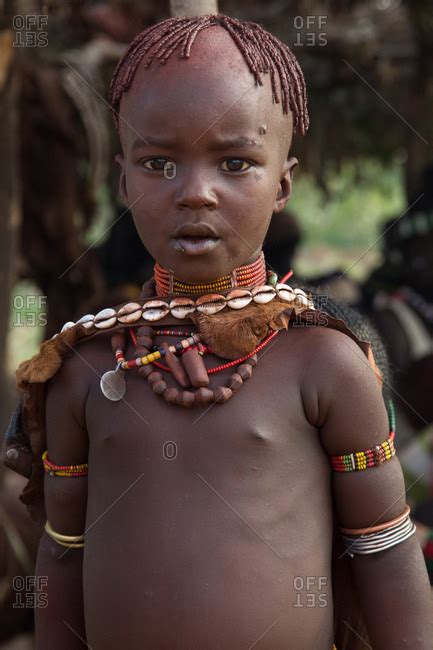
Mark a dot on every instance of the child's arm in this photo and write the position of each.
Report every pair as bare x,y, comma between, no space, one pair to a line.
346,402
61,623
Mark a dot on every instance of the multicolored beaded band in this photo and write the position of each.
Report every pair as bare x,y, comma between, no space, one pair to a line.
171,332
63,470
248,275
203,348
359,460
181,347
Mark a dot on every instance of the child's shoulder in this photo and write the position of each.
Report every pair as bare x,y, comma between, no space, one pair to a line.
341,338
63,368
339,365
326,339
83,361
330,353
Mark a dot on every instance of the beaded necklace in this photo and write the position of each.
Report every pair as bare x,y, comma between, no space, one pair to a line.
151,310
191,372
212,371
253,274
184,359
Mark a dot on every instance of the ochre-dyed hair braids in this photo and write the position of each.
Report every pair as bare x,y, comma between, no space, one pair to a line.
262,52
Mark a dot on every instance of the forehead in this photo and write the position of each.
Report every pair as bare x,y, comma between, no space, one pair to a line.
210,94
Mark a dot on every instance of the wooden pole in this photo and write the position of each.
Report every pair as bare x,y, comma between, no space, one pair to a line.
193,7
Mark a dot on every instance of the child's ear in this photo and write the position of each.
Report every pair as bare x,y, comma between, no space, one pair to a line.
120,159
285,188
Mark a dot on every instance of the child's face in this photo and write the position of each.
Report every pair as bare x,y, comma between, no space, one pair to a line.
228,146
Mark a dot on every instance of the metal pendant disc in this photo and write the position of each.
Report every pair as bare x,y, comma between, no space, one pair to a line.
113,385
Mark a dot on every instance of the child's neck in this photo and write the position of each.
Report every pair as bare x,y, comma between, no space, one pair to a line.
249,275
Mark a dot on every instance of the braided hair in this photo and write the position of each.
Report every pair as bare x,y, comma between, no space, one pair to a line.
262,52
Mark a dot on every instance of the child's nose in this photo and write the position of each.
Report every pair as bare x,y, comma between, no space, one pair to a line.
195,193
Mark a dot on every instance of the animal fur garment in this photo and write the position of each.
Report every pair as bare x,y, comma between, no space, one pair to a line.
235,333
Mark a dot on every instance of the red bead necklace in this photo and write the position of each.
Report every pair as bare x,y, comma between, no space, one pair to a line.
253,274
212,371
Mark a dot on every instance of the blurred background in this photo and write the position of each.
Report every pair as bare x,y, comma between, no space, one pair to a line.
359,225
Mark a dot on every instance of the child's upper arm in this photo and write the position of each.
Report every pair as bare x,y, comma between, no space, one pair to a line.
67,444
352,417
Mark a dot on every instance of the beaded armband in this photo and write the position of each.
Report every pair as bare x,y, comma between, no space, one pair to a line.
359,460
63,470
71,541
363,541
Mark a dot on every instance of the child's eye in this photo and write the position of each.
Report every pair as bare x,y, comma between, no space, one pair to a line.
156,164
235,165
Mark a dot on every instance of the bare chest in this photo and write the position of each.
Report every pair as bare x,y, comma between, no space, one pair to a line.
262,427
214,498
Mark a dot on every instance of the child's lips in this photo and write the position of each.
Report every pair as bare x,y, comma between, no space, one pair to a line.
195,245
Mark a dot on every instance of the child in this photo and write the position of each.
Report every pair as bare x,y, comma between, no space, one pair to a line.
211,526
